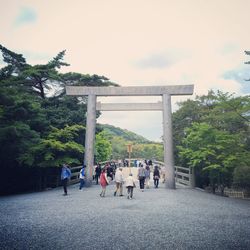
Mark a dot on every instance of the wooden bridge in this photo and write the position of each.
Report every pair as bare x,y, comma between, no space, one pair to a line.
183,176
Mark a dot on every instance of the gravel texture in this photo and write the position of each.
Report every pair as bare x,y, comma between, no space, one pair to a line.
154,219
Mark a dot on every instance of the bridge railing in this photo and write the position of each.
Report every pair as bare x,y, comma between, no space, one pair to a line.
182,175
75,174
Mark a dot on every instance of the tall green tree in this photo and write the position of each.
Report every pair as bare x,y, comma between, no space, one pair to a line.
213,151
37,79
103,148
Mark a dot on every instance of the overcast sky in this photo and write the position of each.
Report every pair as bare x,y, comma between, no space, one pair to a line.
137,43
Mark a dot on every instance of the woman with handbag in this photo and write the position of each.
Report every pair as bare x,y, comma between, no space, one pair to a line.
156,175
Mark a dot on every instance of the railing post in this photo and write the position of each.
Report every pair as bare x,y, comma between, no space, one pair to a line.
191,177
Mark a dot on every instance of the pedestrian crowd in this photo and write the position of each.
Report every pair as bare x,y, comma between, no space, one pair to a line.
104,175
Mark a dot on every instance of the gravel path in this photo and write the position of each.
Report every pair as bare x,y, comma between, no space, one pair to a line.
154,219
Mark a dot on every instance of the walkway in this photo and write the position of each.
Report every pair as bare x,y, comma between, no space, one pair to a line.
155,219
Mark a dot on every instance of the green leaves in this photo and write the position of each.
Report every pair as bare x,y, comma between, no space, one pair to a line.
103,147
60,145
212,135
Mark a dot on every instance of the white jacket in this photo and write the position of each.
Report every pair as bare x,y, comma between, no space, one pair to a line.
118,176
130,181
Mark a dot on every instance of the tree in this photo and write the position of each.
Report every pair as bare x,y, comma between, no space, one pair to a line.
241,177
22,121
38,79
103,147
60,146
210,150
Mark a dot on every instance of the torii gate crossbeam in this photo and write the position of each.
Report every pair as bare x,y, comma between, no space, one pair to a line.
165,91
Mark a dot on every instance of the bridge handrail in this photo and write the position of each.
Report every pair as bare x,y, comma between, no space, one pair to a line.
180,176
75,174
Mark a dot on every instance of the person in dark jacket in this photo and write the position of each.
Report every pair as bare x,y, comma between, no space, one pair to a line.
156,176
141,177
98,170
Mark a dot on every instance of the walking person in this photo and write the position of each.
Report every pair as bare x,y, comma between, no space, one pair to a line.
130,184
141,177
103,182
147,176
65,176
82,177
110,172
157,176
98,171
118,181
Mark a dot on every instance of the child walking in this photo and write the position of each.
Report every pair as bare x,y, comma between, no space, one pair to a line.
130,184
103,182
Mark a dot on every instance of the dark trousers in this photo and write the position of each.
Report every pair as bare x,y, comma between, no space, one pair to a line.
156,182
142,181
130,191
81,183
96,178
65,183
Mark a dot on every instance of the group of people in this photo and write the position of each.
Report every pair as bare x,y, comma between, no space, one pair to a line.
109,172
119,181
144,176
66,174
110,167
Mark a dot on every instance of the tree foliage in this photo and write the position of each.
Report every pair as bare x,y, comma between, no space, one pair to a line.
142,148
39,125
212,135
103,147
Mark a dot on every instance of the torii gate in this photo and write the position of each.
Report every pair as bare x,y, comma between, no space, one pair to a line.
165,91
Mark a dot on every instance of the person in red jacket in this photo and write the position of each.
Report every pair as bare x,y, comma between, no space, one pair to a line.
103,182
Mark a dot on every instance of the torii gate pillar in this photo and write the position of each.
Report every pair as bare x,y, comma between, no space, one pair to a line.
90,139
168,141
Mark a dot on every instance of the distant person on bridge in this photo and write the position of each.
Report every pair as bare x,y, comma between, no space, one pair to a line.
65,176
109,171
147,176
98,171
157,176
118,181
103,182
82,177
141,177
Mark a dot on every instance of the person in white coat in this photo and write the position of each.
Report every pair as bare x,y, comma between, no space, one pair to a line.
130,184
118,181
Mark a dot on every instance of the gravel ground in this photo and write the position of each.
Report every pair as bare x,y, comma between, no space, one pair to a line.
154,219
